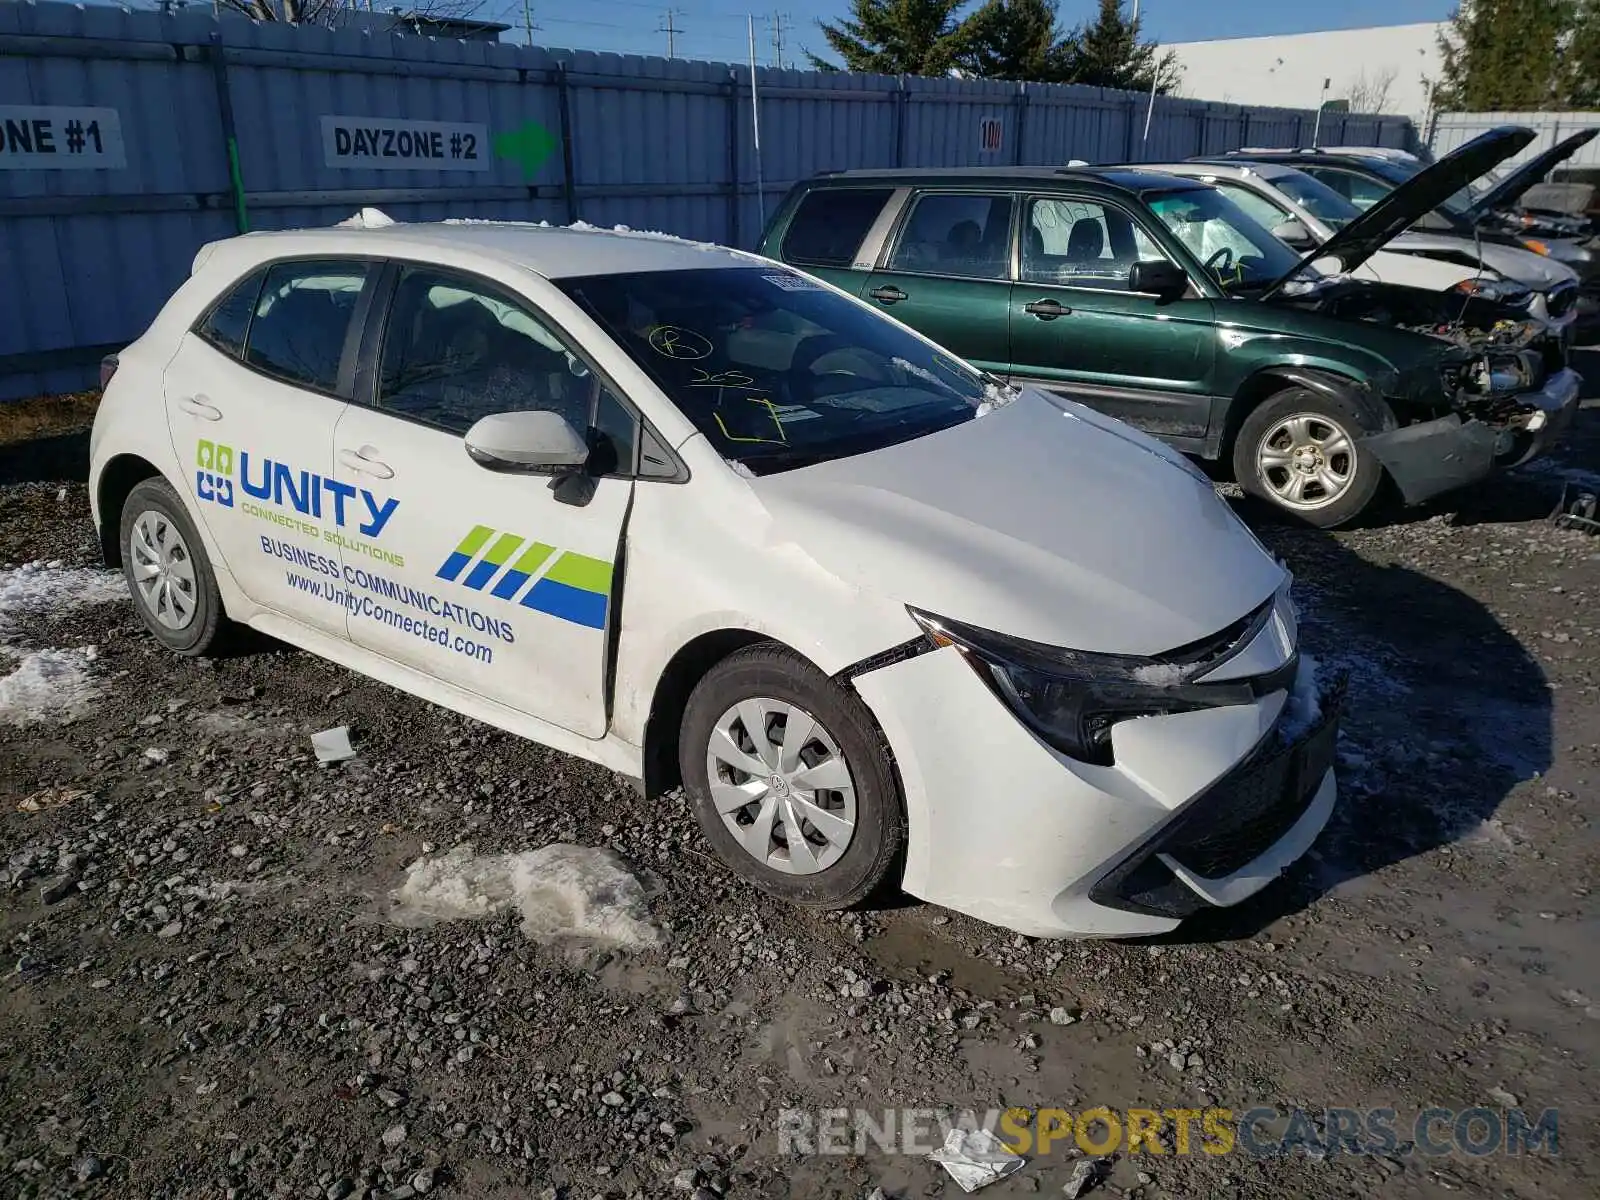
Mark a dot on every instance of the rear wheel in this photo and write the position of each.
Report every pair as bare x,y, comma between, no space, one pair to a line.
167,570
1298,451
790,780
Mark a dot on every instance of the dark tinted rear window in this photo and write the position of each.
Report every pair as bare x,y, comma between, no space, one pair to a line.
224,326
830,223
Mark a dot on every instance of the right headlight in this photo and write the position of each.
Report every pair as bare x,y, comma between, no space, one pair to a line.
1073,698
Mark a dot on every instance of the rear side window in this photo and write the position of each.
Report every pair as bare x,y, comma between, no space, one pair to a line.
225,325
302,316
957,234
830,223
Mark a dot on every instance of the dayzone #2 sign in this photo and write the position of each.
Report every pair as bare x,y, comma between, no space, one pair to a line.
377,144
40,138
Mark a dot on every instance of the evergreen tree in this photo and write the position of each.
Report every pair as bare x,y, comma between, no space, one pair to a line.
897,37
1108,53
1017,39
1503,55
1582,83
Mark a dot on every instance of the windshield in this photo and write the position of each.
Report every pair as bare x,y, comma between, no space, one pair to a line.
775,369
1235,250
1317,198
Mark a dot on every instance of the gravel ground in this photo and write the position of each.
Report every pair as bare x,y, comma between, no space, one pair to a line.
205,990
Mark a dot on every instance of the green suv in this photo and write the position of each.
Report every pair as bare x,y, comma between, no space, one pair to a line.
1156,300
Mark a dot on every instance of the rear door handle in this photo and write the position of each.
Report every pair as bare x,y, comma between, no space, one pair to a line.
365,461
1048,310
200,406
887,295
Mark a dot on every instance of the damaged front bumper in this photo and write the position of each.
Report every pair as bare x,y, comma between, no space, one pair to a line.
1430,458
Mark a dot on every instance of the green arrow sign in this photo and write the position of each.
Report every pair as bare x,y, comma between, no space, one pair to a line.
528,144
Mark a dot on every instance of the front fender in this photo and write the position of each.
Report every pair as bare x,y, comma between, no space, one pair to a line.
1377,416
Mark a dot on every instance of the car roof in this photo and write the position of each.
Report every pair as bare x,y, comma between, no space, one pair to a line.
555,252
1121,178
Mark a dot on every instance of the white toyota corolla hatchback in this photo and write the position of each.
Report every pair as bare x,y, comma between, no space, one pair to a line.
699,518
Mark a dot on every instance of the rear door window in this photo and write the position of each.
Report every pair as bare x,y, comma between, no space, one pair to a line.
956,233
301,320
830,223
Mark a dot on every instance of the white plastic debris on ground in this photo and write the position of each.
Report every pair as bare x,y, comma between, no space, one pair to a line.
975,1158
47,685
333,745
368,218
997,396
38,587
1304,706
560,890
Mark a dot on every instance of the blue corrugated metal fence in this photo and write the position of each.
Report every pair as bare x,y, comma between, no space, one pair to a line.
88,255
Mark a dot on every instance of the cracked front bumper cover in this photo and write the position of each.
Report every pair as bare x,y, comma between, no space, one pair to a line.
1430,458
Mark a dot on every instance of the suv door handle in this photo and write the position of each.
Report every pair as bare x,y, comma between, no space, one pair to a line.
887,295
365,461
200,406
1047,310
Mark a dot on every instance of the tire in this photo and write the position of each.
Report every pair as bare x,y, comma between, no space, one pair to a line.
832,867
180,603
1297,452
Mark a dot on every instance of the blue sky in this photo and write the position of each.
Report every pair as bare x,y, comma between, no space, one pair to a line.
715,29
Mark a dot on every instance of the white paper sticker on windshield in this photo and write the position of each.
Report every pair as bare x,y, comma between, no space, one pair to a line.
794,283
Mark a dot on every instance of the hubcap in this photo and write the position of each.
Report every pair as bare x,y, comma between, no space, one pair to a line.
163,572
1306,461
781,785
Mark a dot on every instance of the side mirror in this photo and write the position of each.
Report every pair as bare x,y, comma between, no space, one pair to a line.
534,442
1294,234
1160,278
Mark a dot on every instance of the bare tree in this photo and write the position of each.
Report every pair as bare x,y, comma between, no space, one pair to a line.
1370,93
332,12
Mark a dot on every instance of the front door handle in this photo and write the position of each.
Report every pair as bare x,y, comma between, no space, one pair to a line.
1048,310
366,462
887,295
200,406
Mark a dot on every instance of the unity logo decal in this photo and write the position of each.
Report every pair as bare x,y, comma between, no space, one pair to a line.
306,493
574,587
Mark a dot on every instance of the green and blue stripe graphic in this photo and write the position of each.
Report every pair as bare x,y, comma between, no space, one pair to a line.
575,587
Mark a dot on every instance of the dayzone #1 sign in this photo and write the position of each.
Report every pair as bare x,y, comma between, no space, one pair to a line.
40,138
377,144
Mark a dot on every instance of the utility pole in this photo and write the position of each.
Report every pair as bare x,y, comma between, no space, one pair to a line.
777,40
672,32
527,19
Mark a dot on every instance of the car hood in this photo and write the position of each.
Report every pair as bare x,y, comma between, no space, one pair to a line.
1420,194
1509,190
1042,520
1535,270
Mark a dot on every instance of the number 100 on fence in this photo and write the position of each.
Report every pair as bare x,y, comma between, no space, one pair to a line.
380,144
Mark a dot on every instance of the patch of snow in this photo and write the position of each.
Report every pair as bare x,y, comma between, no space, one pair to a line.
997,396
1303,708
560,891
47,685
1160,674
368,218
39,587
739,469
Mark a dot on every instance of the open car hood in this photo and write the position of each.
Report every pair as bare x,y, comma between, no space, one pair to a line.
1512,188
1423,192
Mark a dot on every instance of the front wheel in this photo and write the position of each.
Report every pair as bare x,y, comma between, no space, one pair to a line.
1298,451
790,779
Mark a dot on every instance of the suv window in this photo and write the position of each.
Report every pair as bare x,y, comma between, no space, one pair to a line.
829,224
227,322
302,316
1358,189
456,349
956,234
1079,243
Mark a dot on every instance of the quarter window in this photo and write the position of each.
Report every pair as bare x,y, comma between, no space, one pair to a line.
956,234
1079,243
456,350
302,317
830,223
226,324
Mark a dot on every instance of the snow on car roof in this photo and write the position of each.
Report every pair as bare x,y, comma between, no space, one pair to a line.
554,251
